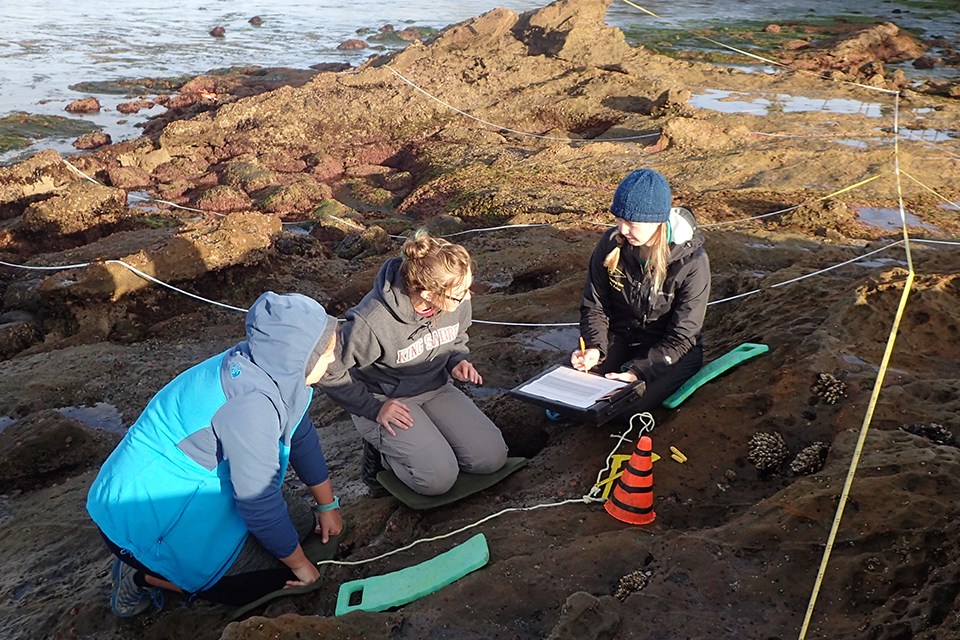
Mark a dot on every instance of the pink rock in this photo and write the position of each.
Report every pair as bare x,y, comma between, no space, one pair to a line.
352,44
84,105
134,107
92,141
409,34
927,62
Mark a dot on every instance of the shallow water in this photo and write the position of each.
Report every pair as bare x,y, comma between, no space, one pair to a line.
102,415
727,102
44,49
886,218
555,340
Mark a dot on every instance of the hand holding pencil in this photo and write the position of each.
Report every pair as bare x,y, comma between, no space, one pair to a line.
584,359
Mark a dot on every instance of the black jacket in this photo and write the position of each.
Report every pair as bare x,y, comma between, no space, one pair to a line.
663,326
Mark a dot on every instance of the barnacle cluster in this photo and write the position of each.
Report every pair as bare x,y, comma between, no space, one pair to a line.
767,451
829,388
632,582
810,459
934,432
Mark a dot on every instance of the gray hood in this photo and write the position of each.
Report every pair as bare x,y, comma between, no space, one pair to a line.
389,289
282,332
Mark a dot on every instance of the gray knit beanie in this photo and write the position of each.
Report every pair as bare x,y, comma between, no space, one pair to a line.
643,196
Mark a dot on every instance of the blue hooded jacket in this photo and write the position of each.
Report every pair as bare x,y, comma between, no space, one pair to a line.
202,466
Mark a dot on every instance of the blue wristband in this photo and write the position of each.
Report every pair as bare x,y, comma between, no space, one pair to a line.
328,507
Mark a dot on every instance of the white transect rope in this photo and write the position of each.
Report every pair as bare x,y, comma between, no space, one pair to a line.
527,324
820,199
142,198
166,202
170,286
765,215
955,244
488,322
809,275
589,498
506,226
59,268
352,563
850,134
929,145
502,128
647,426
747,53
82,174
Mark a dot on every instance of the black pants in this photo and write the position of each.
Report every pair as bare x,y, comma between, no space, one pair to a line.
236,590
663,385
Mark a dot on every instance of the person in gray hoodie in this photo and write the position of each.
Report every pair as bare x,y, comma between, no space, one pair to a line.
191,499
397,351
646,292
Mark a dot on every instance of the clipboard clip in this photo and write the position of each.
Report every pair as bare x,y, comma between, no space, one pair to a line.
639,387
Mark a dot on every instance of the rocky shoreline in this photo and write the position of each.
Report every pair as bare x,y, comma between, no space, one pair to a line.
302,185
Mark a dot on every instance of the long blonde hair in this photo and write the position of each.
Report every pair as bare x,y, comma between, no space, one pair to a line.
656,264
434,265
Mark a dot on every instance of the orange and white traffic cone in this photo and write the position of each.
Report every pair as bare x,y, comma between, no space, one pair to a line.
632,498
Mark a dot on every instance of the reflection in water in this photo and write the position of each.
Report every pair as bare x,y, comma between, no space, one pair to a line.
100,416
927,135
887,218
727,102
555,339
6,421
141,200
880,263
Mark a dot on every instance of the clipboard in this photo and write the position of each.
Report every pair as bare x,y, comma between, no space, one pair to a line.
603,410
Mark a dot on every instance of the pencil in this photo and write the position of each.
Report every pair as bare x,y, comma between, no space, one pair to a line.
583,348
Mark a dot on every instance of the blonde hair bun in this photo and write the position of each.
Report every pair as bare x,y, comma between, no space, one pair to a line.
419,246
434,265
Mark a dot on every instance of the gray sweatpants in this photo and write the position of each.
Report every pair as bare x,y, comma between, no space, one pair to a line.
449,435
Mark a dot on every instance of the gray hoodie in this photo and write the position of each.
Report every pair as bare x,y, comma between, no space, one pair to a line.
385,347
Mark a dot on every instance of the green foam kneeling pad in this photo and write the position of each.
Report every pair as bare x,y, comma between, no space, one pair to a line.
713,369
467,484
378,593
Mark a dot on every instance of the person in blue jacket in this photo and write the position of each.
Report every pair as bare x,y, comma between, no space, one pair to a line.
191,500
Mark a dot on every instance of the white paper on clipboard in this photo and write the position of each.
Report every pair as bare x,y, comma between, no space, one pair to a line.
571,387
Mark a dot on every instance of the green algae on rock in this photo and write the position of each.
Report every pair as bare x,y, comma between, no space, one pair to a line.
22,129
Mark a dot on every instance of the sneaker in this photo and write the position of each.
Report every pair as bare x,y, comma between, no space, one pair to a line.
128,599
370,465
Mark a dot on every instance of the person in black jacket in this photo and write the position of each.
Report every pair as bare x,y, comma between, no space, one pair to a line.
646,292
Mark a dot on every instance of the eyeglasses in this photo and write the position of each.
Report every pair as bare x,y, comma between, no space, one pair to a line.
465,295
